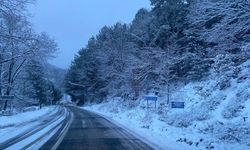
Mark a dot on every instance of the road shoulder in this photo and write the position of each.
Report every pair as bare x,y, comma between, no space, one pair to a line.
135,133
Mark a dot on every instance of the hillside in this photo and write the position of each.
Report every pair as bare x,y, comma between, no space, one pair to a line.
56,75
213,118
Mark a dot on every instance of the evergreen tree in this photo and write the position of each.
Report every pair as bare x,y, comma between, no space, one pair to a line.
170,12
41,88
36,75
55,95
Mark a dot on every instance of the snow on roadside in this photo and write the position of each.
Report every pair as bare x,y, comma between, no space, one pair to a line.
30,121
131,120
25,117
216,116
45,134
149,126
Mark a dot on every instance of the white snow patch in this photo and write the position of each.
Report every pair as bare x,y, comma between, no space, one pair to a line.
11,126
43,132
24,117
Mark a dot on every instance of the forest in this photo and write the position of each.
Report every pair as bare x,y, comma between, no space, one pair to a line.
175,43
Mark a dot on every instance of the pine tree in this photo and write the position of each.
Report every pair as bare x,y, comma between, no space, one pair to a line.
39,84
170,12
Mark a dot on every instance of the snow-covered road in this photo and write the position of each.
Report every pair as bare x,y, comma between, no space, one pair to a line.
67,128
32,129
93,132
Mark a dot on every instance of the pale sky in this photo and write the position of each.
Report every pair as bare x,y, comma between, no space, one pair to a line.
72,22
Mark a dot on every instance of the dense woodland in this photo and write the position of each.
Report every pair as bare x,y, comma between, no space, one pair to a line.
174,43
23,58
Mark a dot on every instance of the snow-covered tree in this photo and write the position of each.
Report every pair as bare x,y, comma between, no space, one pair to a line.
19,44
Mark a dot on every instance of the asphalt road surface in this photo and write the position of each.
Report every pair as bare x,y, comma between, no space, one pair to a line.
89,131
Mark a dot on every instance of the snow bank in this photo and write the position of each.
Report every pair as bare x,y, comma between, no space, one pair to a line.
25,117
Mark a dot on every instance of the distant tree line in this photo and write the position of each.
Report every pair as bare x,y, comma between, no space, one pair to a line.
160,47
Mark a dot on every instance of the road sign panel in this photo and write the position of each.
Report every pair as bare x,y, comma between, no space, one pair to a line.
151,98
7,97
177,104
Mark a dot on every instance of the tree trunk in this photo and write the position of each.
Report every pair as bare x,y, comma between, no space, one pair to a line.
0,79
9,84
1,69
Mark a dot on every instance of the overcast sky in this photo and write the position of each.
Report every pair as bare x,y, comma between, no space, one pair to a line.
72,22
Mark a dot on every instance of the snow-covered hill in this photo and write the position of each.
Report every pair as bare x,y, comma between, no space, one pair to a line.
216,116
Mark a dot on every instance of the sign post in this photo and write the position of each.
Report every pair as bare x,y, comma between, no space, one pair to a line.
178,105
151,98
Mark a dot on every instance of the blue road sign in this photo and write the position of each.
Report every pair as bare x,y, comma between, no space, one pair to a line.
7,97
177,104
151,98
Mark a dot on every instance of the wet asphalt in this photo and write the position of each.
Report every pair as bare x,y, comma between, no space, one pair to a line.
90,131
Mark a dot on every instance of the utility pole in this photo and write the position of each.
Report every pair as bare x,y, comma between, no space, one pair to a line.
168,74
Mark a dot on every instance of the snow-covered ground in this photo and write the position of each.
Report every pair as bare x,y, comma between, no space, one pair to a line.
24,117
216,114
30,130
